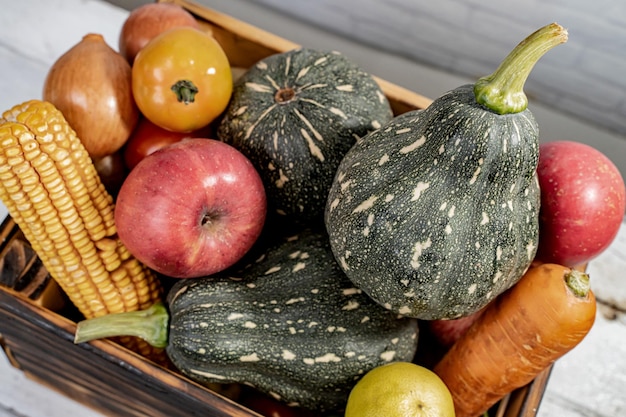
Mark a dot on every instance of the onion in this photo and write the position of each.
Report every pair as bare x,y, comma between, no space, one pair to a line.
91,85
149,20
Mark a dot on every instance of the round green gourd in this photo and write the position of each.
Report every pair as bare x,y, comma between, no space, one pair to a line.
294,115
436,213
290,324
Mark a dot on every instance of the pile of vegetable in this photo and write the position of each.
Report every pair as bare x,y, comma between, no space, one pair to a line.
284,231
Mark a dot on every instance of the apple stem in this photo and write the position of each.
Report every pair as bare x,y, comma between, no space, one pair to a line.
150,325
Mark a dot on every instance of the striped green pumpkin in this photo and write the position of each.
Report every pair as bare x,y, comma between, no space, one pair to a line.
290,324
295,115
436,213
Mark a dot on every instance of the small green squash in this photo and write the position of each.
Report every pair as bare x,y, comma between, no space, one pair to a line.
290,324
294,115
436,213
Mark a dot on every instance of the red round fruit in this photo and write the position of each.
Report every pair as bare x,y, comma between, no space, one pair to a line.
191,209
583,200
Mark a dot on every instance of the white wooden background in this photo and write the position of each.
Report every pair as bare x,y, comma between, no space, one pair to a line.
588,382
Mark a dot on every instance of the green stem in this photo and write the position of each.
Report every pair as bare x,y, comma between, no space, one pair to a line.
185,91
578,282
503,91
150,324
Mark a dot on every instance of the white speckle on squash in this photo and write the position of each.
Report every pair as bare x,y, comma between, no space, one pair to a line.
418,249
262,65
313,148
404,130
417,191
292,330
413,146
381,96
282,179
348,88
351,291
350,305
409,294
350,354
366,231
201,351
294,300
388,198
249,325
298,267
294,255
259,88
328,357
241,110
305,255
365,205
472,289
405,282
315,291
497,276
203,324
485,219
383,159
323,59
530,250
498,253
206,374
477,245
443,206
451,211
442,149
344,185
272,270
344,264
334,204
361,357
302,72
448,229
365,319
395,341
376,124
475,176
253,357
388,355
313,324
330,329
510,204
288,355
234,316
338,112
405,310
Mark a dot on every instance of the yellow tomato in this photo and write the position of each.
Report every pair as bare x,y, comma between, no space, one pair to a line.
182,79
400,389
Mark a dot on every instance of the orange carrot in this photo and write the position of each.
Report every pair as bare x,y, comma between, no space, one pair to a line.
541,318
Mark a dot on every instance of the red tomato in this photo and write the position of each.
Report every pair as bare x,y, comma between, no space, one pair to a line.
182,80
583,200
148,138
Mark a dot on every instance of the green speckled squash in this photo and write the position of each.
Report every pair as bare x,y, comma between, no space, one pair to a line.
436,213
295,115
294,326
290,324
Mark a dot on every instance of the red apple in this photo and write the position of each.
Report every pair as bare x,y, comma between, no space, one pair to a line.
582,202
191,209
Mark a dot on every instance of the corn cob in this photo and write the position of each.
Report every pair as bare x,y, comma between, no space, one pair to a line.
53,192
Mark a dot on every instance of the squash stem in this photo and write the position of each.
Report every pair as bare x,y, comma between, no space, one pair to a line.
503,91
578,282
150,324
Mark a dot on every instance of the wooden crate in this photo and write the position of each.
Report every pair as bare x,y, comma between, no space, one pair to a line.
37,326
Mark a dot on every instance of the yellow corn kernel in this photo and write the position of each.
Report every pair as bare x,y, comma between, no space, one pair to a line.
52,190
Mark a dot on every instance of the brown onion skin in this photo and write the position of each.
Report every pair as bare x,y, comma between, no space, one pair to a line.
91,85
147,21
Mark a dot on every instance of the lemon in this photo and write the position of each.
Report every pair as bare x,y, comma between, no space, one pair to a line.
400,389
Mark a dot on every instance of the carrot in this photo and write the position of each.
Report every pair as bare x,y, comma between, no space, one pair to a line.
538,320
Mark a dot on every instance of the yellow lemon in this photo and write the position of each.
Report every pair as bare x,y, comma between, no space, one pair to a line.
400,389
